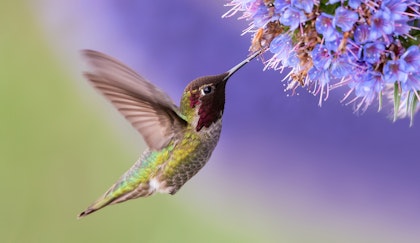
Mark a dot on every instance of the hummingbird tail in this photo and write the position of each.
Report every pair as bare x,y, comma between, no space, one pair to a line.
94,207
124,189
113,199
86,213
118,194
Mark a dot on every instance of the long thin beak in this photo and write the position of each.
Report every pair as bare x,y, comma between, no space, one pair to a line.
237,67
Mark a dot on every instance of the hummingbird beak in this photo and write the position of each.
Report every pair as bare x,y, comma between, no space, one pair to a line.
241,64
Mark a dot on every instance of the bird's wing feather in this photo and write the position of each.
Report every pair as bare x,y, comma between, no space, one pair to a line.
149,110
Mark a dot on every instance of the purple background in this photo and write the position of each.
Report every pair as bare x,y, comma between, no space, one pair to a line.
279,157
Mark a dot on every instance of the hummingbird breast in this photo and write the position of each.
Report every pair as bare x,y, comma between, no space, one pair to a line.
190,154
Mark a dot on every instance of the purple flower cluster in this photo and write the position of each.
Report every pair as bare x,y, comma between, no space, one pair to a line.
369,46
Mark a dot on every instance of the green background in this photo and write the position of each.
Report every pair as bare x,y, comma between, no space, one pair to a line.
53,146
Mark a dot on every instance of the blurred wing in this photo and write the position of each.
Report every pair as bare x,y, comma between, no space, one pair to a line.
149,109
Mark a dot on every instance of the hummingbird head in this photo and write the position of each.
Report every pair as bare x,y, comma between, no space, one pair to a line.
204,97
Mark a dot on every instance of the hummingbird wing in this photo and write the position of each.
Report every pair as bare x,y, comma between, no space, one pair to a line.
150,110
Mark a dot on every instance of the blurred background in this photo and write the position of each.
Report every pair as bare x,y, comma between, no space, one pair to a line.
284,170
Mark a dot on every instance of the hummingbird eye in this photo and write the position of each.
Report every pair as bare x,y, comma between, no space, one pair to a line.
206,90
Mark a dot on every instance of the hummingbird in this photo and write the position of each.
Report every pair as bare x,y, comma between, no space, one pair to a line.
180,140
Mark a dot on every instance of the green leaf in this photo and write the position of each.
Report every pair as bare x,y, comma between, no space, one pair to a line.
325,7
413,107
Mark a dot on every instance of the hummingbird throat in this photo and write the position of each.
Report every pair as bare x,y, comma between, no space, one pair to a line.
209,111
